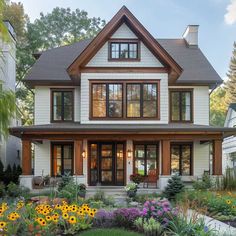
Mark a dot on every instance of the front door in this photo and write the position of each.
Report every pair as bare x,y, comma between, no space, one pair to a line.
107,166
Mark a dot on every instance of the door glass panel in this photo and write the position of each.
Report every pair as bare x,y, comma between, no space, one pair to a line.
106,150
151,166
119,157
120,176
139,151
106,176
94,164
139,167
152,151
175,156
107,163
186,154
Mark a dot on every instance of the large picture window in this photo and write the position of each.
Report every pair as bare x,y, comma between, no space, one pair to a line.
124,50
145,156
62,105
181,159
181,106
124,100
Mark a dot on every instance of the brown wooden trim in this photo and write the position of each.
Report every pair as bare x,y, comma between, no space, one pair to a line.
124,16
166,158
124,96
51,104
124,70
110,41
180,143
217,157
78,159
26,158
191,90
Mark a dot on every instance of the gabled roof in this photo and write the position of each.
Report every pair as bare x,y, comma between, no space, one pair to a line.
125,16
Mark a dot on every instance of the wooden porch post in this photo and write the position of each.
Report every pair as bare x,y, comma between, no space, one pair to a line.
26,158
217,157
166,159
78,157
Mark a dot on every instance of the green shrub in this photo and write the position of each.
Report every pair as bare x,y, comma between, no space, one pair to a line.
69,191
14,190
203,184
175,185
100,196
228,181
2,190
65,179
8,175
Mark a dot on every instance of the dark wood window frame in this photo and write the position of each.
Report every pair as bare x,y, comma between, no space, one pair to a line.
124,100
120,41
62,160
180,162
145,143
52,104
190,90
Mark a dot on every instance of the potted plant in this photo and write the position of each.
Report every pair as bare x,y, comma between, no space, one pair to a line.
131,189
136,178
82,190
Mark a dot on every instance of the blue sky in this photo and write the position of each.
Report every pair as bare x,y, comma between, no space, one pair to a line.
166,19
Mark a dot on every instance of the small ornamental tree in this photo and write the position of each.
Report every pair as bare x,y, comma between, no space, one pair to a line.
175,185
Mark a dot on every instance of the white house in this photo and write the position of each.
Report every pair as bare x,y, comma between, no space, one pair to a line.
10,149
123,103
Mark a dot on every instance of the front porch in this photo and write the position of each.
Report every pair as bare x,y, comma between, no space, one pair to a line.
109,166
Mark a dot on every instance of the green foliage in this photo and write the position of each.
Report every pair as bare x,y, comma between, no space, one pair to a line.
69,191
1,171
175,185
150,227
14,190
99,196
2,190
65,179
109,232
227,181
204,183
218,106
11,174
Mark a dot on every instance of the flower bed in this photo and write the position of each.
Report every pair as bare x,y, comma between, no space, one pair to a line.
44,219
219,205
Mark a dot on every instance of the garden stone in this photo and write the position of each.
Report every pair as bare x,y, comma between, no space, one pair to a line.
40,199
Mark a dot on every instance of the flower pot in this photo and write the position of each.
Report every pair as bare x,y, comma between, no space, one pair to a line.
131,193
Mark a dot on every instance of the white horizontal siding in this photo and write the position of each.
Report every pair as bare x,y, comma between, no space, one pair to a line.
200,103
42,162
43,104
147,59
201,154
129,76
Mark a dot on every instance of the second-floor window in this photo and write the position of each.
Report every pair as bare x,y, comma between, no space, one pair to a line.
124,100
181,106
124,50
62,105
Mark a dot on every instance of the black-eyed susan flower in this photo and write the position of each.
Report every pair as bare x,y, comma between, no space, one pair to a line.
48,218
2,224
228,202
65,215
72,220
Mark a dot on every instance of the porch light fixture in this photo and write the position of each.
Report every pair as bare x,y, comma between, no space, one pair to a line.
129,153
83,154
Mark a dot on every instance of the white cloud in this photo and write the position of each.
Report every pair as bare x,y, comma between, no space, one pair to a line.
230,16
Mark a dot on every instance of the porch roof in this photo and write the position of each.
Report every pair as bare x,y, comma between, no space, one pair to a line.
78,128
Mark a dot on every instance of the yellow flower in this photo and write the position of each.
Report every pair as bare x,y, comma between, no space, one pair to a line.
72,220
58,206
2,224
91,214
234,207
48,218
65,216
43,223
228,202
56,215
54,219
12,217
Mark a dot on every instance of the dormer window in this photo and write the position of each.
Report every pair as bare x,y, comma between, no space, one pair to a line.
124,50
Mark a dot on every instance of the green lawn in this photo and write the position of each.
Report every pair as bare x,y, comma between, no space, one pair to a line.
109,232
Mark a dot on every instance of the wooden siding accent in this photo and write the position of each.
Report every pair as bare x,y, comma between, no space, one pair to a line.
166,158
26,157
78,159
217,157
124,70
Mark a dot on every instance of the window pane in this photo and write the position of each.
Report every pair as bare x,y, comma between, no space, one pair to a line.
57,98
151,166
139,151
175,109
149,109
68,113
67,151
68,98
186,156
139,167
115,50
150,92
151,151
57,111
99,100
57,160
124,50
133,49
133,100
175,158
119,157
115,100
94,163
186,105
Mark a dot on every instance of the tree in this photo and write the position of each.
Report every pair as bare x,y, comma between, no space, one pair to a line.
230,84
218,106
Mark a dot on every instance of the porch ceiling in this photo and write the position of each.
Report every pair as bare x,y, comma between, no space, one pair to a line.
77,128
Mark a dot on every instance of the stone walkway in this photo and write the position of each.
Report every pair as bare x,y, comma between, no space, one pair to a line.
222,228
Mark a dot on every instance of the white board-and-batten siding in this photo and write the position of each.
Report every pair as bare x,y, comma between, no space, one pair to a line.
43,104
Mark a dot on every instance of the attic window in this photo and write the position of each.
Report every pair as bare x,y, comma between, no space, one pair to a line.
124,50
